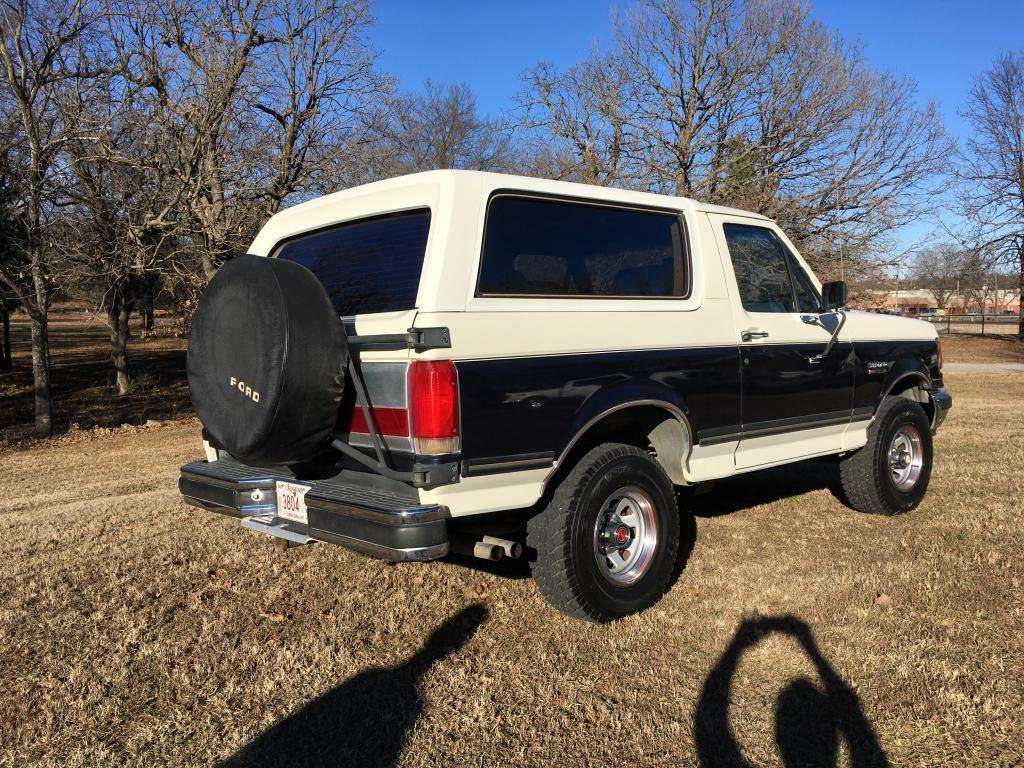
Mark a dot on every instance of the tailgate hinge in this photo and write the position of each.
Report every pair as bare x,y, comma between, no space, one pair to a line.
419,339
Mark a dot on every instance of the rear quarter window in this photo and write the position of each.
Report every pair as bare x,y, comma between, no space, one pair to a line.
367,265
545,247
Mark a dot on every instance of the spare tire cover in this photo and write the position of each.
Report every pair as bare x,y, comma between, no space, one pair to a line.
266,361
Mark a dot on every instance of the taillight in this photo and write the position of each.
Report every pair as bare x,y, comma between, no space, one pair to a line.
434,406
391,422
938,343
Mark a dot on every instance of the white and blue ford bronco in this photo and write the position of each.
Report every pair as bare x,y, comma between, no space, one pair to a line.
500,366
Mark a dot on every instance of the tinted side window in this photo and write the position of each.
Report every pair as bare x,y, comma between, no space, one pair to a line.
807,296
540,247
760,266
369,265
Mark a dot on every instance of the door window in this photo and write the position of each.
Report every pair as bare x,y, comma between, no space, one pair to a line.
762,273
807,297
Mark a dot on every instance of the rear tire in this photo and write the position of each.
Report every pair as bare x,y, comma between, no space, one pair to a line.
606,543
890,474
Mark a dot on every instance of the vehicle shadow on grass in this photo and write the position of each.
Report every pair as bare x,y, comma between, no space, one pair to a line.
365,720
811,718
516,569
734,494
722,497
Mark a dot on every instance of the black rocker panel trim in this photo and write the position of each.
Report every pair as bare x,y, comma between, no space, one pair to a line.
517,463
781,426
778,426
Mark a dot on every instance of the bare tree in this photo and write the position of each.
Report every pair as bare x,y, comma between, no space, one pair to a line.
213,114
320,94
9,252
940,268
748,103
992,174
197,61
584,110
256,100
45,48
105,199
441,128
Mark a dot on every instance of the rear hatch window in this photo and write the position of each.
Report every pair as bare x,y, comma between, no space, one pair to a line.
367,265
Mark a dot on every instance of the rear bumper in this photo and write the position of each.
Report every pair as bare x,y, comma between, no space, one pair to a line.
392,526
942,401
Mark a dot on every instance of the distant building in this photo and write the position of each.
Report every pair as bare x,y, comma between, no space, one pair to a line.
914,301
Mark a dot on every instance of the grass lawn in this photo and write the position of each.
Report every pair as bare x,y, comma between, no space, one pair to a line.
969,348
139,631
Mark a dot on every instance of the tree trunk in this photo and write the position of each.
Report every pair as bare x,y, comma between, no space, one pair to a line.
41,374
1020,293
146,306
117,316
5,344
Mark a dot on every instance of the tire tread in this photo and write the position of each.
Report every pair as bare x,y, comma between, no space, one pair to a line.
548,533
860,483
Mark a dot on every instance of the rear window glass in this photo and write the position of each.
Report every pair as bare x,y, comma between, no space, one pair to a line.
541,247
369,265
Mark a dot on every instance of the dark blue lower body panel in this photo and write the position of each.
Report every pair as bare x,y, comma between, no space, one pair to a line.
521,413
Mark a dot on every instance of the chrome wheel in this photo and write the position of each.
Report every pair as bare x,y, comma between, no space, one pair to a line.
906,457
625,536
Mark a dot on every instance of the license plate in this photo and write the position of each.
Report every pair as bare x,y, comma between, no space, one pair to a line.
291,502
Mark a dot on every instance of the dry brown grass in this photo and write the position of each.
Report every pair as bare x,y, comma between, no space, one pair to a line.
139,631
967,348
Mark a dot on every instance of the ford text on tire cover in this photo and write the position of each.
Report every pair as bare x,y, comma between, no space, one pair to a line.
499,367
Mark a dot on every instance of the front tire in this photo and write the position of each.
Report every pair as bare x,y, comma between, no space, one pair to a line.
890,474
606,543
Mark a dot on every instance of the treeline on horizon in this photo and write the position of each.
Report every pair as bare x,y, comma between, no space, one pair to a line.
144,142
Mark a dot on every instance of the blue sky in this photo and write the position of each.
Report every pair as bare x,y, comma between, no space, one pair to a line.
940,44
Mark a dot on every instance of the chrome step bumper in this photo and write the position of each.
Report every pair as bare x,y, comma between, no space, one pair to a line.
381,523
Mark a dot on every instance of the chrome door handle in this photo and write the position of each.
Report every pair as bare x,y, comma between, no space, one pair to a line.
753,333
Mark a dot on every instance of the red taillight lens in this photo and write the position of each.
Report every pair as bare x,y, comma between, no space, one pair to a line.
434,406
392,422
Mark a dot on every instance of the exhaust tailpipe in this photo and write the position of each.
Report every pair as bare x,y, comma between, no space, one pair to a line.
480,549
509,547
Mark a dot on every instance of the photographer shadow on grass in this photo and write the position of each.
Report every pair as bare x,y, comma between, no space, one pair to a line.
365,720
810,718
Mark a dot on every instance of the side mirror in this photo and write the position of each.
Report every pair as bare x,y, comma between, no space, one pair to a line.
833,295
